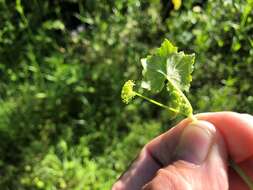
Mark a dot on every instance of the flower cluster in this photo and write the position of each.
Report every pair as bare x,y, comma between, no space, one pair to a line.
127,93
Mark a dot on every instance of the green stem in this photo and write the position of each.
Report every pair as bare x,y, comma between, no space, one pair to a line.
242,174
193,118
157,103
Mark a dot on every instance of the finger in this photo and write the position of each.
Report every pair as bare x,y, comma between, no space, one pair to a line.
159,153
146,165
141,171
205,169
237,131
233,126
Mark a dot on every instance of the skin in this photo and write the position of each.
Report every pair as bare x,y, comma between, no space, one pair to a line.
162,165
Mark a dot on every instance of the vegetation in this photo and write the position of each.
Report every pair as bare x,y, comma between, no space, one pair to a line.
62,65
165,69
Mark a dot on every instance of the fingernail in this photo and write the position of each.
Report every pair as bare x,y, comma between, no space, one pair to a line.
195,142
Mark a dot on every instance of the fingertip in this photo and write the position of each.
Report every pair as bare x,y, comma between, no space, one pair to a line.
118,186
205,125
237,131
195,142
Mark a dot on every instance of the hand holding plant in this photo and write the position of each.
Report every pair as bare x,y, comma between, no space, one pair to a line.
195,153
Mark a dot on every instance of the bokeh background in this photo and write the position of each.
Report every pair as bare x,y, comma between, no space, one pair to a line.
62,65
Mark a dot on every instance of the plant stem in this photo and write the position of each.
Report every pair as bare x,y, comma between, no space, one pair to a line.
242,174
183,96
193,118
157,103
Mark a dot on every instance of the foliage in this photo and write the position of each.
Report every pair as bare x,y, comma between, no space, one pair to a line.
62,65
173,67
222,40
165,66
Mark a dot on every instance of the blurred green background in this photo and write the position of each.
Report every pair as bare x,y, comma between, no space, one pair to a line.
62,65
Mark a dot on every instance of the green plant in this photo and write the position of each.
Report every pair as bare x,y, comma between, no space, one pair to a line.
167,67
62,64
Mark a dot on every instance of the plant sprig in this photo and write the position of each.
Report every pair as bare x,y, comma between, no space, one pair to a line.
128,94
170,69
166,68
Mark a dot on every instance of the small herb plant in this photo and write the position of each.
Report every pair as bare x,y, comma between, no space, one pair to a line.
168,68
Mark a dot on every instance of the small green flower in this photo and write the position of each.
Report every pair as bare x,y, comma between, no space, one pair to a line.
127,93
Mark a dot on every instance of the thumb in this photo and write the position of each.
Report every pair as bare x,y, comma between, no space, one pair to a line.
199,161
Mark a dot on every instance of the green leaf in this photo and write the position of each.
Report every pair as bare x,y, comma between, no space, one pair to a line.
166,64
166,67
54,25
179,69
153,69
166,49
19,7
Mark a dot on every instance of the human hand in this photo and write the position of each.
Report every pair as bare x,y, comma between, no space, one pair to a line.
195,156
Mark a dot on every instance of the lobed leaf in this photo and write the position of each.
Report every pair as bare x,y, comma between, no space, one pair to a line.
167,64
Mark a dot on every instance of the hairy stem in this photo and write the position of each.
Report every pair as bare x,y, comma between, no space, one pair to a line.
157,103
193,118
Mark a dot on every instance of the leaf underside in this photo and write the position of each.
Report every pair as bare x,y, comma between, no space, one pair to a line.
167,65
